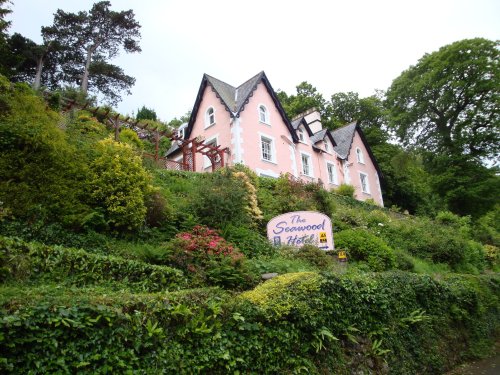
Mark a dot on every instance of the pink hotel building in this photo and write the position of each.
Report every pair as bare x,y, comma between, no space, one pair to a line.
250,121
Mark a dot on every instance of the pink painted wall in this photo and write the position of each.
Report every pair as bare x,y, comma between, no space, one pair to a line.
276,130
221,128
367,168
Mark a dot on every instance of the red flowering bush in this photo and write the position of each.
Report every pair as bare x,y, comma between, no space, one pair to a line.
207,258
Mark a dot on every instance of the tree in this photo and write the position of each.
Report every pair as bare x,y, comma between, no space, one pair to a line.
31,62
307,97
146,114
95,37
449,101
4,25
369,113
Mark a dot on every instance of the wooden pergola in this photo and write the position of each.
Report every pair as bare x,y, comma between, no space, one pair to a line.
189,147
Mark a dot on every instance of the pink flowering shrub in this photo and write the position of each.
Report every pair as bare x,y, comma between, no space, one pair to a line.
207,258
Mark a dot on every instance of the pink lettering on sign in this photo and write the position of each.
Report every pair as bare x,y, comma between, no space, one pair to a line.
300,228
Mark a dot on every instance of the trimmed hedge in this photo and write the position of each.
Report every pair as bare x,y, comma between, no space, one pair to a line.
22,261
360,323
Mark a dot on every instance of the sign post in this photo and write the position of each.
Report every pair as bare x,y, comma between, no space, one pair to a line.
300,228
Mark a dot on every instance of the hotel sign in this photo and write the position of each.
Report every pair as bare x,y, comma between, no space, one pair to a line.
301,227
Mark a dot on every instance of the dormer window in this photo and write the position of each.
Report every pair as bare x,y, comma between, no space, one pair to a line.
359,156
181,132
327,145
210,117
263,114
301,134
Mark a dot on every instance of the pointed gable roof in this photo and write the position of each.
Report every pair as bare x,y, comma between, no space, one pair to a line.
343,138
234,99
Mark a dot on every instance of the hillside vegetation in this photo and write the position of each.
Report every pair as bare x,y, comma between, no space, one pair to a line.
110,264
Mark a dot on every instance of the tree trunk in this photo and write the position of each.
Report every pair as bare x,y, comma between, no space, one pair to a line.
85,78
38,75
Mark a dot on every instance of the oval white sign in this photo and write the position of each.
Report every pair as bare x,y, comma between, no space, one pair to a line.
301,227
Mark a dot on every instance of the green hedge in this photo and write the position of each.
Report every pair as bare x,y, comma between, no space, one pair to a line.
22,261
371,323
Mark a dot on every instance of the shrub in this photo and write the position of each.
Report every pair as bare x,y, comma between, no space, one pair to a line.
364,246
311,254
345,190
219,200
250,242
207,258
119,184
41,175
285,294
31,261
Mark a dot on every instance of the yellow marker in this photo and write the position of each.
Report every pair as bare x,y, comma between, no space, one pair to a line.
322,237
342,255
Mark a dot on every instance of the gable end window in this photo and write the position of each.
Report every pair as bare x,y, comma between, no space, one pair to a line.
365,187
210,117
327,146
359,156
263,114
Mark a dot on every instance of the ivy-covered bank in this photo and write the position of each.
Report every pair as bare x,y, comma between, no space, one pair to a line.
311,322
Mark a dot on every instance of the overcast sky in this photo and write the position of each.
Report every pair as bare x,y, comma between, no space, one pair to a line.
337,46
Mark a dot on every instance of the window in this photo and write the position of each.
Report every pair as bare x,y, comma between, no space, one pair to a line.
263,114
306,165
266,146
301,134
359,155
327,146
206,161
332,173
365,188
210,117
181,132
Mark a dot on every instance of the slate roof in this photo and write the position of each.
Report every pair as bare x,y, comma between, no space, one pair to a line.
235,98
343,138
319,136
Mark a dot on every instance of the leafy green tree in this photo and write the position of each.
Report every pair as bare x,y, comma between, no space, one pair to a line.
369,113
465,185
31,62
94,38
307,97
146,114
449,101
4,26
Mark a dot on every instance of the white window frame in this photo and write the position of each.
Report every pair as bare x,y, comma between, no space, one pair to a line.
181,132
301,135
272,148
206,161
263,114
365,187
327,145
332,178
209,117
359,156
309,165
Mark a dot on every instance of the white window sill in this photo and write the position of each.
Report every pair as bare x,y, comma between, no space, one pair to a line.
210,125
269,161
306,175
265,123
